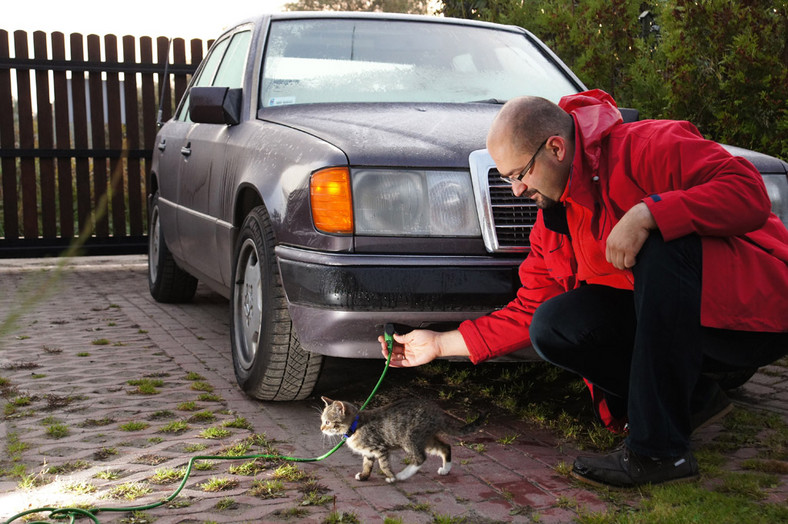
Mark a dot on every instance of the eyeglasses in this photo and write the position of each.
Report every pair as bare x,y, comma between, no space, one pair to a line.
530,165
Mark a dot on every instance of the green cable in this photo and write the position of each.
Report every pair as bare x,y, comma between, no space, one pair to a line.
73,513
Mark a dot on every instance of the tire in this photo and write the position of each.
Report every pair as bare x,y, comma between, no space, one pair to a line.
167,282
269,362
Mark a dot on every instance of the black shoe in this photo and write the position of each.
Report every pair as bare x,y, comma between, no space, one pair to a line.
626,469
713,409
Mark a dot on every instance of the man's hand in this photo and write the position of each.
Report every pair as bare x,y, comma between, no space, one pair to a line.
628,236
422,346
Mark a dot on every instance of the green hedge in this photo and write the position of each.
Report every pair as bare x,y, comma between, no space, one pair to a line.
721,64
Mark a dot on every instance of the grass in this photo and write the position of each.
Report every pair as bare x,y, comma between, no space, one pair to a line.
129,491
289,473
68,467
146,386
215,484
238,423
134,426
267,489
177,426
57,431
202,416
215,433
167,475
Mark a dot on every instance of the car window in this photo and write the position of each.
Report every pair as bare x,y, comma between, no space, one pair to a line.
319,61
206,74
231,70
224,66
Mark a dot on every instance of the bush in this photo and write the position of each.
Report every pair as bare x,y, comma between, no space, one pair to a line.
721,65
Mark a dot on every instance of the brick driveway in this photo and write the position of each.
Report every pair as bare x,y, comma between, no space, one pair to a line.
102,387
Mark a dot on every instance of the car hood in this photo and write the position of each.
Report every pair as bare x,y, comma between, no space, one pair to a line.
408,135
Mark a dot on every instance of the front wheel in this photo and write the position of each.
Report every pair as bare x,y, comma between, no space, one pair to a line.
269,362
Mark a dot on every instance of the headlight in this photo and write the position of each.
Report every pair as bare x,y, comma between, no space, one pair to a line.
414,203
777,187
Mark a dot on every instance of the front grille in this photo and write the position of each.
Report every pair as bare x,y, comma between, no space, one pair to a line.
506,220
513,217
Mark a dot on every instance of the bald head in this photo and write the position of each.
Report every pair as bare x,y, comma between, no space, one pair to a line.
523,122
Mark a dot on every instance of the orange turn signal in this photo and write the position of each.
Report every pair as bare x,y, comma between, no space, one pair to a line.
331,201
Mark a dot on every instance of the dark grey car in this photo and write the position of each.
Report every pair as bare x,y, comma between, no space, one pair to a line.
326,173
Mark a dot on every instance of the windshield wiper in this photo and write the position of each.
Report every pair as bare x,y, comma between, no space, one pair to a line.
488,101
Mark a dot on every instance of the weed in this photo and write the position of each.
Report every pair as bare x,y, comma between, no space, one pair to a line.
225,503
508,439
104,453
142,331
747,485
146,386
92,422
192,448
202,416
167,475
14,446
202,386
188,406
351,518
204,465
289,473
68,467
80,488
155,440
237,450
446,519
138,517
248,469
423,507
766,466
158,415
57,431
32,481
215,433
177,426
101,342
12,366
194,376
107,474
209,397
218,484
51,350
37,375
21,401
392,520
564,469
134,425
129,491
83,354
267,489
238,423
314,498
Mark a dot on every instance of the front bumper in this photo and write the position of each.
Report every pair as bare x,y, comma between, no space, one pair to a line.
339,302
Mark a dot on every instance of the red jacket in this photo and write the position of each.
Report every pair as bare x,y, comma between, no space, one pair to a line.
691,185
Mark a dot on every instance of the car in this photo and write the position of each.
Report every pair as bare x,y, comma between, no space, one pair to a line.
326,173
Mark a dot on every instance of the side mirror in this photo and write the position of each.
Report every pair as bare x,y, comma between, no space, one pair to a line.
629,114
215,105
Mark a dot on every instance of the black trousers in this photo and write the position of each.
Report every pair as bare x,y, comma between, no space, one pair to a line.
646,348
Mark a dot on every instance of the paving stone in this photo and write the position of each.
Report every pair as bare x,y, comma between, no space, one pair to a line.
107,298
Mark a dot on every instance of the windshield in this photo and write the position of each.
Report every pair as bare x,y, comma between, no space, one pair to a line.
323,61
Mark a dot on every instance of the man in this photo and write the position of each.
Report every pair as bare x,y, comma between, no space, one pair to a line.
654,257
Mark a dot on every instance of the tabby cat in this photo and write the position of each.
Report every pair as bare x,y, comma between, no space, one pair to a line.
409,424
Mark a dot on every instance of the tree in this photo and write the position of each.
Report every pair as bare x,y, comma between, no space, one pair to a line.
388,6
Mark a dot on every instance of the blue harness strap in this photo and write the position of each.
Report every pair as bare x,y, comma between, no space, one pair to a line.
352,429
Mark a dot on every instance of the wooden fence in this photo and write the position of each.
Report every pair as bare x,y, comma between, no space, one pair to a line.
77,128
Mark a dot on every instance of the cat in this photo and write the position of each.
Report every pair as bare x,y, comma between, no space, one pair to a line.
410,424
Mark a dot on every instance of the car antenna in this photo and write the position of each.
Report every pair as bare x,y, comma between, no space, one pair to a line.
164,83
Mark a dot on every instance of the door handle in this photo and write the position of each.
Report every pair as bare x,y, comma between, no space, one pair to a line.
187,149
162,146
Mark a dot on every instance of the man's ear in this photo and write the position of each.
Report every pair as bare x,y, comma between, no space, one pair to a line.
557,146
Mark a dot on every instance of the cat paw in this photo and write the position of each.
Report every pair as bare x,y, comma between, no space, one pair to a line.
445,469
361,477
391,480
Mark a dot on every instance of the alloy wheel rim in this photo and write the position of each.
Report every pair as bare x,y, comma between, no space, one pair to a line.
248,304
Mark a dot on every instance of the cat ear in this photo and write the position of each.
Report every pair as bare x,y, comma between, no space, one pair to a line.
327,400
